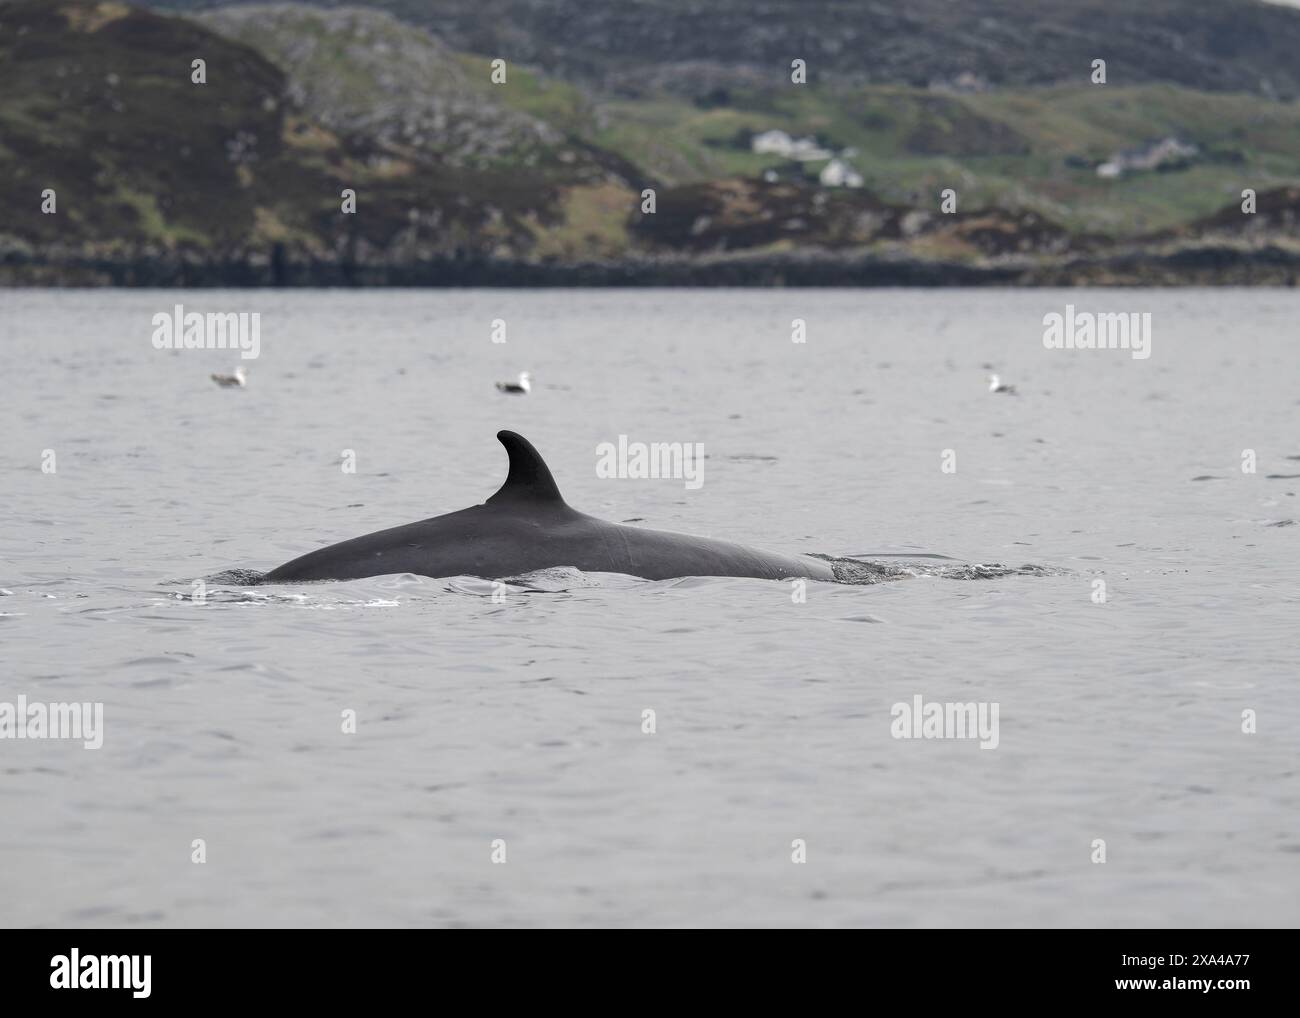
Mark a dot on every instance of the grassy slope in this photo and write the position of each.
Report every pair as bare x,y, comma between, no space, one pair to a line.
74,88
912,143
400,91
1007,148
95,100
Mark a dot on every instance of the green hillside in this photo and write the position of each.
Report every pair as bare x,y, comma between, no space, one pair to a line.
240,179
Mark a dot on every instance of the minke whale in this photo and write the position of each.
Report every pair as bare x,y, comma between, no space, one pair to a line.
527,526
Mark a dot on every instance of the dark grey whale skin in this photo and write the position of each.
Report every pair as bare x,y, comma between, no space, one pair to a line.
526,526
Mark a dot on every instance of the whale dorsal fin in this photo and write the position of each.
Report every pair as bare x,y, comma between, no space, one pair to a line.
530,478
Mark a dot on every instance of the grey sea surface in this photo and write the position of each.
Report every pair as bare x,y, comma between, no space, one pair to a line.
521,719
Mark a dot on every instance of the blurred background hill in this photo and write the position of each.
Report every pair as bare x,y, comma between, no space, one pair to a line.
756,179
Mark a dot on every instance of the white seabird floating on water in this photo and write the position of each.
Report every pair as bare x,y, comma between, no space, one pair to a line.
238,380
519,388
997,385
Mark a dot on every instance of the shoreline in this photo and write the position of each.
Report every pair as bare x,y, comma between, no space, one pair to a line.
1206,265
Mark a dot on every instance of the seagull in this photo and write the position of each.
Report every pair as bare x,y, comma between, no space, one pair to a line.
997,385
238,380
519,388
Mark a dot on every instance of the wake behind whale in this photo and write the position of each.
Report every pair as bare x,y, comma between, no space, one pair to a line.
527,527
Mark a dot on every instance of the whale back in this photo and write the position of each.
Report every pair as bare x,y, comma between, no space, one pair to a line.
525,526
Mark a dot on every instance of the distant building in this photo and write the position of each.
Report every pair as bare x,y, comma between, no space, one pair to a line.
779,143
1167,153
837,173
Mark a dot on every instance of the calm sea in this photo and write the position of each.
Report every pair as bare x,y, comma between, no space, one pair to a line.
520,722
